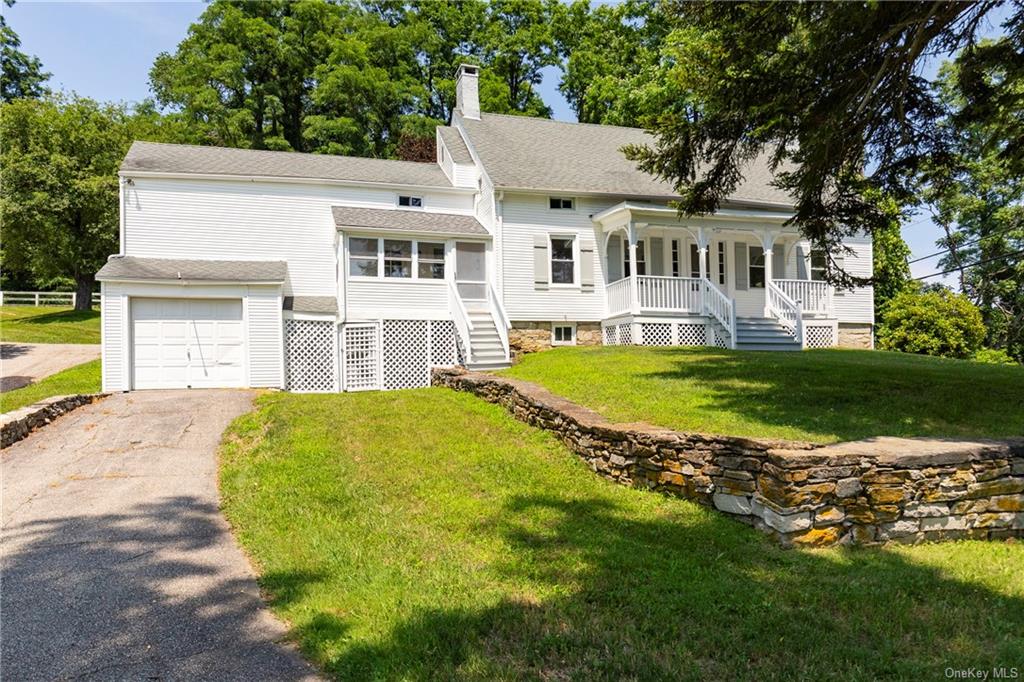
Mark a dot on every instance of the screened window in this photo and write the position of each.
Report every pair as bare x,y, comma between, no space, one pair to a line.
756,267
397,258
721,263
410,202
362,257
641,259
430,260
818,265
563,262
560,203
563,335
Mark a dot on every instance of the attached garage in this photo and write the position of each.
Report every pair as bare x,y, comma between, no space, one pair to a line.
187,343
191,324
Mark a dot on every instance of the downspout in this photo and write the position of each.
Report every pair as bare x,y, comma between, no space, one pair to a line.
121,182
499,230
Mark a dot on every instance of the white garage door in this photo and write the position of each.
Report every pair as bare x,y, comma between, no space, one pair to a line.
187,343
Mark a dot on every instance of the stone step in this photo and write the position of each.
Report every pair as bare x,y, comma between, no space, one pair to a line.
488,366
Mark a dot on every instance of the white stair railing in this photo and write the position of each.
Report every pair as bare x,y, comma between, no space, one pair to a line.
500,317
463,325
784,309
617,294
717,304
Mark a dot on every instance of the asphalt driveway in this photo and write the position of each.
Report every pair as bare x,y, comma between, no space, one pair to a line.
26,363
116,561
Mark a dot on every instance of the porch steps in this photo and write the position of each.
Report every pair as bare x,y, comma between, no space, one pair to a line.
759,333
486,351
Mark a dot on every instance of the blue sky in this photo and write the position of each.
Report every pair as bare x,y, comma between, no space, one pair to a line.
104,50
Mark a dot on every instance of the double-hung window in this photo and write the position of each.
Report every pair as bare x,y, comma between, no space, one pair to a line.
641,259
756,267
818,265
721,263
376,258
563,260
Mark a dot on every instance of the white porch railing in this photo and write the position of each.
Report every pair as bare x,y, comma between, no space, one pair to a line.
618,296
42,298
787,311
814,297
500,316
460,315
717,304
675,294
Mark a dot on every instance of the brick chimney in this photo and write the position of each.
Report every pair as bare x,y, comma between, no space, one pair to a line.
467,91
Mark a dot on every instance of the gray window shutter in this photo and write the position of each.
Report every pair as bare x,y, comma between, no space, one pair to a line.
614,258
540,261
779,262
801,264
741,267
656,257
840,261
586,265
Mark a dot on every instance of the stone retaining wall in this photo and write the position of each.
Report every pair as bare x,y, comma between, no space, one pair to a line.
862,492
19,423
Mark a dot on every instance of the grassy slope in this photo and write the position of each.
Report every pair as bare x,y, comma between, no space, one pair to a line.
425,534
84,378
47,324
823,396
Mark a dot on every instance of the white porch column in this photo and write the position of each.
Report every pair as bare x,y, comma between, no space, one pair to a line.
634,291
767,243
703,239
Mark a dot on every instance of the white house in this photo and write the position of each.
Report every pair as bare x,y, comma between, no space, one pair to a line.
326,273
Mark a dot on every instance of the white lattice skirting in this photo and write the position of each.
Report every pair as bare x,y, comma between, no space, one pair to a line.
396,354
311,356
819,336
660,334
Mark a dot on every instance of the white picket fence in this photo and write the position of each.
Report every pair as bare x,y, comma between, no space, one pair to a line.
62,298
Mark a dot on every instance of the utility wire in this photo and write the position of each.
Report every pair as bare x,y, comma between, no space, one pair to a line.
971,265
965,244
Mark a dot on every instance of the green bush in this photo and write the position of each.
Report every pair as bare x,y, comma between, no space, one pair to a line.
939,323
994,356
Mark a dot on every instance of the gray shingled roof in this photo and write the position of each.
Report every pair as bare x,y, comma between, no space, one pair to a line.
311,304
452,139
180,158
134,268
552,156
406,221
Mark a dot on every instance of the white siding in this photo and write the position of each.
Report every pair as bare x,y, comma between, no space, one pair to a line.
415,300
857,305
216,219
114,331
524,216
266,349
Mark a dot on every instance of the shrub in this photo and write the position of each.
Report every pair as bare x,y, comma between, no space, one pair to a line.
934,322
994,356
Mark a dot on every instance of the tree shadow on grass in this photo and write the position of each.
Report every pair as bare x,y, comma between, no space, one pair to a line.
59,317
699,597
143,594
858,397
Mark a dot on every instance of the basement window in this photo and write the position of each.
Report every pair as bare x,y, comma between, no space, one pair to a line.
563,334
410,202
561,203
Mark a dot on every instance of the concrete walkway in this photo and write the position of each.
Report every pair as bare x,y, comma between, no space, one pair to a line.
116,561
22,364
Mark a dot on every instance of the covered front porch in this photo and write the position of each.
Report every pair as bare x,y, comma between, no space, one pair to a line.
738,270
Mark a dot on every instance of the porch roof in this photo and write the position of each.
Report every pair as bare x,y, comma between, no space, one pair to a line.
635,210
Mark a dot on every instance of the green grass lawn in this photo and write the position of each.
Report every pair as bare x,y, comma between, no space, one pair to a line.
48,324
821,396
425,534
84,378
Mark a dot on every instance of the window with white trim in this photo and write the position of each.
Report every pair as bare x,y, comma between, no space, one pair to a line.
756,267
675,257
563,334
641,259
721,263
410,201
561,203
379,258
819,263
563,260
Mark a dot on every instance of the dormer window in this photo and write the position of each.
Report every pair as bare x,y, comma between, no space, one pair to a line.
561,203
410,202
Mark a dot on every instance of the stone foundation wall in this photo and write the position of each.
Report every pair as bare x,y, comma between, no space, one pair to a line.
856,335
862,492
530,337
18,424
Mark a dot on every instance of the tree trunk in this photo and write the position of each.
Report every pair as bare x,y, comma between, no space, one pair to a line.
83,291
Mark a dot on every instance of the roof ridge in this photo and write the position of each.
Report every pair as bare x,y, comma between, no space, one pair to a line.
569,123
282,152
